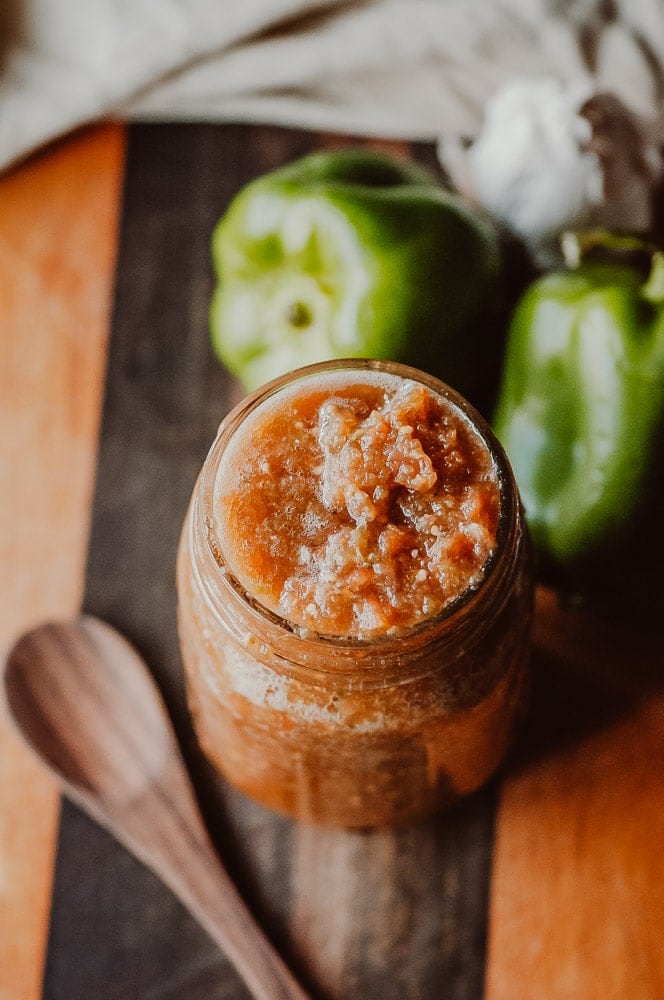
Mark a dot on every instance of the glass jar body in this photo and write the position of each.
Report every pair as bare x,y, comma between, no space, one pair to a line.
354,734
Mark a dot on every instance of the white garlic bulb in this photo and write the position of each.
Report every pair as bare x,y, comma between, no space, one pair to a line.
551,157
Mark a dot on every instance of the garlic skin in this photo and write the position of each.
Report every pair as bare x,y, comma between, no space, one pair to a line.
551,157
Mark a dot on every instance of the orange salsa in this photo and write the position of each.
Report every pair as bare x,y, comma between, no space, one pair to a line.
359,507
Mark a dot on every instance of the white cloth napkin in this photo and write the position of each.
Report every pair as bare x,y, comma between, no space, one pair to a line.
411,69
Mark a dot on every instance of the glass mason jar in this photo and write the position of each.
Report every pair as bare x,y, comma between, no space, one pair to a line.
354,732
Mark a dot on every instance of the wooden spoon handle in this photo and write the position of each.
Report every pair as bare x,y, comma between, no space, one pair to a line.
166,832
211,897
171,839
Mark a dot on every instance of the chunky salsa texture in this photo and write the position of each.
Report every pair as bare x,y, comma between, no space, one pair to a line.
357,507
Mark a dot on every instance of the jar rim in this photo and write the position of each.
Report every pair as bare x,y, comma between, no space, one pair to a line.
323,646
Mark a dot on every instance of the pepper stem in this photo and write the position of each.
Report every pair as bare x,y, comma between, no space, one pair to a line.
299,315
576,245
653,289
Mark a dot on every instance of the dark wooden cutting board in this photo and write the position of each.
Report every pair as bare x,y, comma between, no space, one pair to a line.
384,914
506,882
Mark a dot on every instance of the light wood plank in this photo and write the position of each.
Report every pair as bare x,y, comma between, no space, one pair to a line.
577,908
58,224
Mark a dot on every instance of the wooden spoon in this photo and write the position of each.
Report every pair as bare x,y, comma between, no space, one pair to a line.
85,702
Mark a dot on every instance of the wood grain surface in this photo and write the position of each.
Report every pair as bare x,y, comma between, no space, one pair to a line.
545,885
58,218
577,900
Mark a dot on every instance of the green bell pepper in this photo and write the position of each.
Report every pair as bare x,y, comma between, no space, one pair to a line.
352,254
581,416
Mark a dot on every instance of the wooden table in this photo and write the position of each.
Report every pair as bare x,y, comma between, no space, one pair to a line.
548,884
